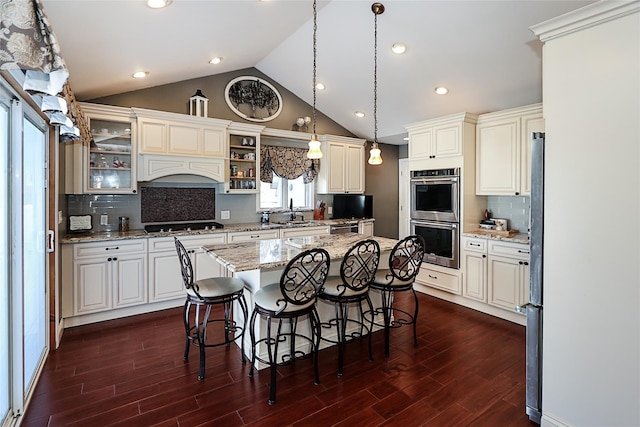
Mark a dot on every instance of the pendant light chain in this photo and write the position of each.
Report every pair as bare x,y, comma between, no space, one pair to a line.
375,78
315,152
374,154
315,54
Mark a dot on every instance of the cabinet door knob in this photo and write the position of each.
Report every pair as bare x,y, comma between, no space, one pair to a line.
115,259
108,259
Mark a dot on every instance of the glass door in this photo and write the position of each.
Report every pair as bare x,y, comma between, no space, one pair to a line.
23,252
34,252
5,378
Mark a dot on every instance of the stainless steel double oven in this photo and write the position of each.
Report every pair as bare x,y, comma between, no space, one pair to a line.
435,214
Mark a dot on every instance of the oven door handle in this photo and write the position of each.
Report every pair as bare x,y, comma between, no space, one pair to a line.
435,180
449,225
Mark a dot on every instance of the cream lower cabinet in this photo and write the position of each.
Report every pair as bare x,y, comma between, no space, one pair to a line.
366,228
474,260
508,274
107,276
434,276
304,231
250,236
165,275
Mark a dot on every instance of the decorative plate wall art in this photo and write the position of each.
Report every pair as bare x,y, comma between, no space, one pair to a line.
253,99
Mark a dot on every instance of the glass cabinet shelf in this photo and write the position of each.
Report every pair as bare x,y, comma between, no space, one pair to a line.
110,168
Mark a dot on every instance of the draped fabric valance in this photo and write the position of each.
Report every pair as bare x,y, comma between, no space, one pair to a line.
287,162
28,43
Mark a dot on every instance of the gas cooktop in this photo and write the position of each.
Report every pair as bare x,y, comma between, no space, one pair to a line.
182,226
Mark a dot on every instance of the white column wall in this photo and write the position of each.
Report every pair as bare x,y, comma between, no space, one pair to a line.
591,332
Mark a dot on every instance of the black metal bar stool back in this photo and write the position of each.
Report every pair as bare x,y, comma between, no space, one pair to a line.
404,264
202,296
285,302
357,271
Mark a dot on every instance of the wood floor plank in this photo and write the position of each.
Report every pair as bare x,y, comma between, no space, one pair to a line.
469,369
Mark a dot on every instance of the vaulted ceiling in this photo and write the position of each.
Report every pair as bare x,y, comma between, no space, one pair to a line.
481,50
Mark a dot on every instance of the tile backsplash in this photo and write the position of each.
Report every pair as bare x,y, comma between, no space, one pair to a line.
513,208
113,205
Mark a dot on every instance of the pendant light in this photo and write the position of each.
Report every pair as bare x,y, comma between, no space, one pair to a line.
374,155
314,145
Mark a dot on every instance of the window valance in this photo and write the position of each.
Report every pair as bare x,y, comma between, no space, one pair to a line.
287,162
28,43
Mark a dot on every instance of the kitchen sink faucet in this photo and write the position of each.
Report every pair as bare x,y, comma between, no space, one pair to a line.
292,213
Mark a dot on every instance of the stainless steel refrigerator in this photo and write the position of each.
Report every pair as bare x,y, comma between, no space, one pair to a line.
534,309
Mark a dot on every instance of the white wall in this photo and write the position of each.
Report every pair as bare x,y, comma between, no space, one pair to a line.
591,333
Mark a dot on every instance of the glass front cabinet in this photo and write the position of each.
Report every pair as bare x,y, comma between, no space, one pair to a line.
110,157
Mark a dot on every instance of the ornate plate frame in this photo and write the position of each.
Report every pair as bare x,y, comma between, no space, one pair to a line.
251,104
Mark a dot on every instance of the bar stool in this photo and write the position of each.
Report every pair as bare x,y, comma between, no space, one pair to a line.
205,294
293,297
357,271
404,264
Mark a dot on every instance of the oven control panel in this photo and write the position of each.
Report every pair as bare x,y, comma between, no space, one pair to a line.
435,173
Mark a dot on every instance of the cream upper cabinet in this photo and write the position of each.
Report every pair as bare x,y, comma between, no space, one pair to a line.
106,164
503,142
160,132
342,165
440,138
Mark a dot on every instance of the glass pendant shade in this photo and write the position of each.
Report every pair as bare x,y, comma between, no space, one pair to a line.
375,157
314,148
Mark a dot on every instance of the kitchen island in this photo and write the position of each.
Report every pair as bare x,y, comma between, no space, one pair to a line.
261,263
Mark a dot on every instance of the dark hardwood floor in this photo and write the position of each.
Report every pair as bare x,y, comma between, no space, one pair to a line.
469,369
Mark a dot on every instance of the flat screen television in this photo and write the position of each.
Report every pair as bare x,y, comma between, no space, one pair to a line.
352,206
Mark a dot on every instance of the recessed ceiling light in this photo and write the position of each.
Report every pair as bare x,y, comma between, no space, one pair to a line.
359,114
441,90
140,74
216,60
158,4
320,86
399,48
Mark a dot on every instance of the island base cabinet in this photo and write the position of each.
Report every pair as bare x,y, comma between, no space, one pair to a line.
255,279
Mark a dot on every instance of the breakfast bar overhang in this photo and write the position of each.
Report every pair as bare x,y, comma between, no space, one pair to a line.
261,263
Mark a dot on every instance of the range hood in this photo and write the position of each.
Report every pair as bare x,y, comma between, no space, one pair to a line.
154,167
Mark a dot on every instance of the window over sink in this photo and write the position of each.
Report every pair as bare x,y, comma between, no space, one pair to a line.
276,195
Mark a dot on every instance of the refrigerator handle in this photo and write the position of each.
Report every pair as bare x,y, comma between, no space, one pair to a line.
522,308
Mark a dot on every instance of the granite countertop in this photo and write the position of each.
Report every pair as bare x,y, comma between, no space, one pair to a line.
276,253
516,238
253,226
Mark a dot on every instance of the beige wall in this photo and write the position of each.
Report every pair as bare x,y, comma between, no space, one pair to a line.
174,98
380,181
